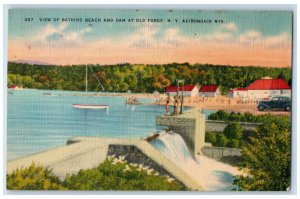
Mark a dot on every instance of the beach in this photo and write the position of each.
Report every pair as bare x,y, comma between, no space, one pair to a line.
203,103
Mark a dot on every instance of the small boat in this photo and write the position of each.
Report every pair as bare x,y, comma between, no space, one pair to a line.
90,106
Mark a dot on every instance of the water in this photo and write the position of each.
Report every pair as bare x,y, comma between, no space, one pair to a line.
208,112
212,175
37,122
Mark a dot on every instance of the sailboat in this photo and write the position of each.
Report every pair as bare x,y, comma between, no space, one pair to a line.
90,106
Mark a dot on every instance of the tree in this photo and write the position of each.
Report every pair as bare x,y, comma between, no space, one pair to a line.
211,137
233,143
281,76
221,140
267,159
233,131
33,178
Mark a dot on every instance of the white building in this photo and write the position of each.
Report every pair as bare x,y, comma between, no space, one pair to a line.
264,88
238,92
186,90
209,91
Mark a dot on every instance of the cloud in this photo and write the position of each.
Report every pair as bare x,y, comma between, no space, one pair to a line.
74,36
153,43
231,26
143,37
250,36
51,32
282,40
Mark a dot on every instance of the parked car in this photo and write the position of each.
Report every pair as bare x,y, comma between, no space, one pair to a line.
276,103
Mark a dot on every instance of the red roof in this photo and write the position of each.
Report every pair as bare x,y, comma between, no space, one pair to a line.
13,86
188,87
208,88
269,84
239,89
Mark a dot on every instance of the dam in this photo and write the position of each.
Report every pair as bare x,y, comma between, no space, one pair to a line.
177,155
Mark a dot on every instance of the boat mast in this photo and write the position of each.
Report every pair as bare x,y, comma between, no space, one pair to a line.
86,76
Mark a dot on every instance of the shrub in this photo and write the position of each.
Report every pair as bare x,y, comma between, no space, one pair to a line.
33,178
117,176
211,137
109,175
221,140
233,143
233,131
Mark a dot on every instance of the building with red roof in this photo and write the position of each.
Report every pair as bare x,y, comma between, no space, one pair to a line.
263,88
14,86
209,91
268,88
185,90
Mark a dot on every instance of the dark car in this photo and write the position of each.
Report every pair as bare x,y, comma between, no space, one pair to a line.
276,103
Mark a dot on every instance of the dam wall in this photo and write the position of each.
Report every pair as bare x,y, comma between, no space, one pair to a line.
89,152
190,125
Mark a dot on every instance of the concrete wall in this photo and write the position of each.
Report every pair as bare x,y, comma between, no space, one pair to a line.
89,152
223,154
190,125
134,155
215,125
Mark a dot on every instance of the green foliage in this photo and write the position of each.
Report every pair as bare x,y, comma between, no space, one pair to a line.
110,175
211,137
232,136
221,140
139,77
233,131
267,159
234,143
33,178
248,117
24,81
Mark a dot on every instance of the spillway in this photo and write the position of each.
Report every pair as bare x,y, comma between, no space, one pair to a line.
212,175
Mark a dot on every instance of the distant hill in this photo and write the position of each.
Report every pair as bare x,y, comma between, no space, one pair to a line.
31,62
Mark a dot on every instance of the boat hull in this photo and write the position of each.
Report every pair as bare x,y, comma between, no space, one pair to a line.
90,106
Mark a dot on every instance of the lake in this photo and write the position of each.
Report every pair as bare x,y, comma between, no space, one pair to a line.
38,122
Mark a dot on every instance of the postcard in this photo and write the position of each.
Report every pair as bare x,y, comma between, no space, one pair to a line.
149,100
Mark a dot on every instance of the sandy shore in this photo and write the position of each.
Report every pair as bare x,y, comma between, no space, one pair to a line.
207,103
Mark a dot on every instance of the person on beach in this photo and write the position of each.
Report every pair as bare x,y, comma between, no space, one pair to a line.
167,104
175,105
181,104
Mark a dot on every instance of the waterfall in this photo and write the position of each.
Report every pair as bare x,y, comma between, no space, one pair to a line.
211,174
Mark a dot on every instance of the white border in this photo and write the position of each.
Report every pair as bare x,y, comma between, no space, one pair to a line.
212,6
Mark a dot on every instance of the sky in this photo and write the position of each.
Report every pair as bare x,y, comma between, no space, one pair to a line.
238,38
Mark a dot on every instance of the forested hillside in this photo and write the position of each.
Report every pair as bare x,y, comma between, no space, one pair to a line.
136,78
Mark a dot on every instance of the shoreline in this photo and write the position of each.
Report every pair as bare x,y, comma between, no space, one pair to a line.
200,103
